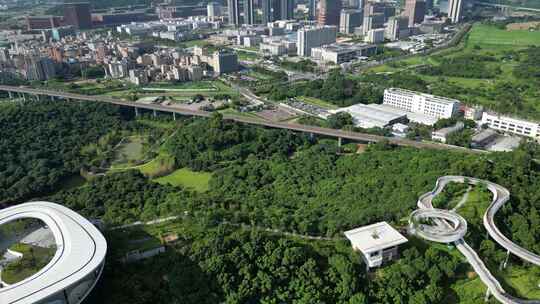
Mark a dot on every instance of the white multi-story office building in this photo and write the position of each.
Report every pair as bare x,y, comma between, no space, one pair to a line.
455,9
430,105
213,10
397,28
512,125
309,38
349,20
375,35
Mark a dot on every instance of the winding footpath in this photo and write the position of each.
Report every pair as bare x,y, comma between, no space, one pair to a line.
449,223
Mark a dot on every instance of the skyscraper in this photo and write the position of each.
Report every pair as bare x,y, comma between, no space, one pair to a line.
234,12
312,9
455,8
266,8
309,38
349,20
249,12
286,9
398,28
329,12
37,68
78,15
415,10
213,10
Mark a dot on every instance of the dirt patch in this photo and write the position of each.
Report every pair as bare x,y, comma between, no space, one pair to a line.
523,26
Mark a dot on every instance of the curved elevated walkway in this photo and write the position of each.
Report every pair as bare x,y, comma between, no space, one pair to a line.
441,234
76,266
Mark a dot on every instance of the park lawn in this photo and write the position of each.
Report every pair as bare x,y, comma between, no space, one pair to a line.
33,260
192,43
247,56
259,76
197,181
524,281
191,85
234,112
489,35
468,291
162,163
318,102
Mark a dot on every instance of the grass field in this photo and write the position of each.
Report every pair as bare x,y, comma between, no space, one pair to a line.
489,35
318,102
197,181
33,260
192,85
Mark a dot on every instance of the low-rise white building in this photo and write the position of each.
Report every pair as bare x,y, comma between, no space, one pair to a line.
341,53
378,243
371,116
512,125
442,134
434,106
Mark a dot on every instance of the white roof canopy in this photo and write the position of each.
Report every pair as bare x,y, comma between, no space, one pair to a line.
374,237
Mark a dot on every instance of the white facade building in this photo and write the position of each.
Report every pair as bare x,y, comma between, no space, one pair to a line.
309,38
378,243
430,105
375,35
512,125
455,9
443,134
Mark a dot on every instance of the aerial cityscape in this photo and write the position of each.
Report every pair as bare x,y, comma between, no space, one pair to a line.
269,151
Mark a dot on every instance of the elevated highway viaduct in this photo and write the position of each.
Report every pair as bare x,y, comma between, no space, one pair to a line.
338,134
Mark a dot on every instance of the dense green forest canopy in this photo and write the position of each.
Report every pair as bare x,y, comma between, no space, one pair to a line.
262,178
40,143
228,265
284,181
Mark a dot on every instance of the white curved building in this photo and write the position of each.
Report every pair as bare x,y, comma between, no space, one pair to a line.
76,266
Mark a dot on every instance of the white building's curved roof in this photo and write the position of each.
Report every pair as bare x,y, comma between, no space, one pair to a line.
81,250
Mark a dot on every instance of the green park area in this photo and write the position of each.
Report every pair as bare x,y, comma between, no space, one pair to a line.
491,66
33,260
187,178
518,279
176,91
501,38
129,151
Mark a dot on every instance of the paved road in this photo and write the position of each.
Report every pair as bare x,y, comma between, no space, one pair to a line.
355,136
500,196
521,8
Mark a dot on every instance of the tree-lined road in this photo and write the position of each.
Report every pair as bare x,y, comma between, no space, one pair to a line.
355,136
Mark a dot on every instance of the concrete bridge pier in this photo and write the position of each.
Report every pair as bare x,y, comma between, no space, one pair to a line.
505,262
340,142
174,116
488,294
155,113
136,112
10,95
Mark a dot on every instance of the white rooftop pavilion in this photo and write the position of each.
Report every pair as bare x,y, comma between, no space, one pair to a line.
378,243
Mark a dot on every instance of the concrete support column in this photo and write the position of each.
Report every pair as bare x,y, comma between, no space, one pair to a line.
10,95
174,116
136,112
155,113
488,293
339,142
505,262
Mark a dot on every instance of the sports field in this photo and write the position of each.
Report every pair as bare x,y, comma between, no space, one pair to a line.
489,35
